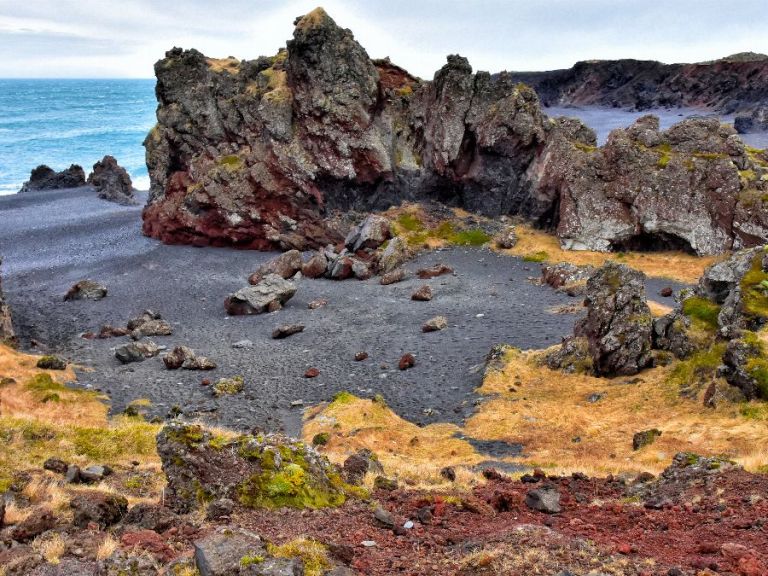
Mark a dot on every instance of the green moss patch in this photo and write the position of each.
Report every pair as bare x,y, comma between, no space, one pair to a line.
701,365
540,256
754,289
702,311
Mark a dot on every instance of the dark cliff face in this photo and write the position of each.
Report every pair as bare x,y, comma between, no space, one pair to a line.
257,154
736,84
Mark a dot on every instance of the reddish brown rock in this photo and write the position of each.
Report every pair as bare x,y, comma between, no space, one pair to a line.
434,271
422,294
396,275
360,356
284,265
315,304
312,373
316,266
407,361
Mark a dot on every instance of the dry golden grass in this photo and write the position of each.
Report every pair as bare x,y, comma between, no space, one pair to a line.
230,65
107,547
15,513
548,410
51,547
412,453
674,265
658,309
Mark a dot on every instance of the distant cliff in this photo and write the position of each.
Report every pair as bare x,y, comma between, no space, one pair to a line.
736,84
258,154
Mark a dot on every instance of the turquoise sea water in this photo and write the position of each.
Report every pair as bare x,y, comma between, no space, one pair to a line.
63,122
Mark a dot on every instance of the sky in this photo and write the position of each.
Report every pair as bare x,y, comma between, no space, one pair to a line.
123,39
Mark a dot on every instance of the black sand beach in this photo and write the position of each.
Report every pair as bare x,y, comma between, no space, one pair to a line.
51,240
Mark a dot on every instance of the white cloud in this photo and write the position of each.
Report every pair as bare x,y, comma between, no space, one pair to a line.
101,38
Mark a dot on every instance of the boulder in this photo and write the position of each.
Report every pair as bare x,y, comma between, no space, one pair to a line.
756,120
316,266
151,517
39,521
285,265
572,356
262,471
422,294
102,508
149,323
359,464
112,182
393,277
670,333
565,275
229,386
45,178
645,438
86,290
395,254
51,362
272,291
506,238
618,324
745,366
136,351
369,234
184,357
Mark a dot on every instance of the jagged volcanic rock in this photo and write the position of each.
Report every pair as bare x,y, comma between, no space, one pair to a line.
618,324
256,153
112,181
259,154
693,187
45,178
734,83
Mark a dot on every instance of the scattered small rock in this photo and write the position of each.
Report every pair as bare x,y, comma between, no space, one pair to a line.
315,304
384,483
137,351
185,358
55,465
221,508
407,361
267,296
393,277
312,373
384,517
287,330
434,271
506,238
242,344
229,386
645,438
449,473
422,294
435,324
86,290
51,363
666,292
360,356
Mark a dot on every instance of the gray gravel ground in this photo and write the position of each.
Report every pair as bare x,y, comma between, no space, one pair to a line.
51,240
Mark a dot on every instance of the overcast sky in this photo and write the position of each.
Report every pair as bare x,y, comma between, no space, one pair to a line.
102,38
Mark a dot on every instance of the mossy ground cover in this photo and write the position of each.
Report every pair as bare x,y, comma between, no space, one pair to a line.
420,229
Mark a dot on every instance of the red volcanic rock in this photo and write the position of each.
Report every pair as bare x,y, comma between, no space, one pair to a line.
407,361
148,541
312,373
316,266
434,271
284,265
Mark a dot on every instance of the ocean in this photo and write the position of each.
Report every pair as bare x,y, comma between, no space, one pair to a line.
63,122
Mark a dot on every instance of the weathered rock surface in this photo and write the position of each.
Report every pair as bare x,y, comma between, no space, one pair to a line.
186,358
734,83
284,265
86,290
270,293
137,351
112,182
754,121
618,324
149,323
370,233
101,508
45,178
264,471
240,156
6,326
670,333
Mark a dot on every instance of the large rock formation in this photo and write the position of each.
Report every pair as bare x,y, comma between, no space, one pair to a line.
618,324
693,187
6,327
735,83
45,178
257,154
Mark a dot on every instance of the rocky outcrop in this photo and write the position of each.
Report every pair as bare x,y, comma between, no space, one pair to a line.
735,83
618,324
6,326
694,187
45,178
112,182
260,154
263,471
754,121
257,153
268,295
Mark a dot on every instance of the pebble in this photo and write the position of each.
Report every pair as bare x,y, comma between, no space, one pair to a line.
408,525
243,344
368,543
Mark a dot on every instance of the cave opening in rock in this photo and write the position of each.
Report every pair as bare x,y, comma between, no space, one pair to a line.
653,242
